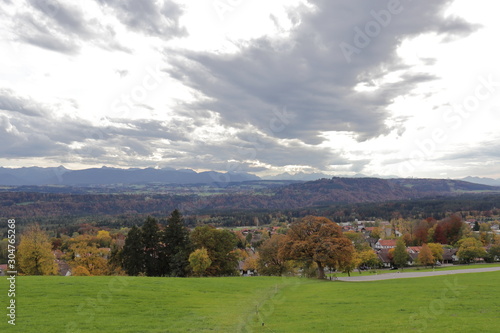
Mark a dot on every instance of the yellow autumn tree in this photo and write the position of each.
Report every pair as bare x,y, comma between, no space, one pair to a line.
81,271
35,252
88,256
199,260
437,251
250,263
104,238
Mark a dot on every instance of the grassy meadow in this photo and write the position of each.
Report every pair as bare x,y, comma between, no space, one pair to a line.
454,303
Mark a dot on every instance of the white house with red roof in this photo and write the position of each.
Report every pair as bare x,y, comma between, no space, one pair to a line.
385,244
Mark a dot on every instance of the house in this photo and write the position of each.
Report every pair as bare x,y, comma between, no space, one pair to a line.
385,244
105,252
371,241
64,268
413,252
243,265
384,257
450,256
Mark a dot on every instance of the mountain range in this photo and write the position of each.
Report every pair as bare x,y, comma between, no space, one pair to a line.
110,176
481,180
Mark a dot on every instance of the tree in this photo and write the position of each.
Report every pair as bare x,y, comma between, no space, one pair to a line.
250,263
132,254
220,245
400,255
368,258
176,246
318,240
104,238
448,230
150,240
425,256
437,251
4,253
270,262
358,240
376,233
80,271
439,234
421,233
115,260
87,255
35,253
494,252
431,234
476,226
249,237
469,249
199,261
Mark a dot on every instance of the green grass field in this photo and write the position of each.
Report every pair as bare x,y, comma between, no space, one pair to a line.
454,303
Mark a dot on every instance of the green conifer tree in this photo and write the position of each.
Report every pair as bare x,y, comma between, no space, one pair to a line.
151,242
176,246
132,255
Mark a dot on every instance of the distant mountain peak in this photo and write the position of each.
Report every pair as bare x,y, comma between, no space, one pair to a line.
111,175
482,180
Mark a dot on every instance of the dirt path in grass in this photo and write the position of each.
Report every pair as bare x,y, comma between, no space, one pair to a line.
389,276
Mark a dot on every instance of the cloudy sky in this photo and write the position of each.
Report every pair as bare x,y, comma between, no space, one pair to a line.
405,88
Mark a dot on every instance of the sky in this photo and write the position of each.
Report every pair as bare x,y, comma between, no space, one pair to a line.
381,88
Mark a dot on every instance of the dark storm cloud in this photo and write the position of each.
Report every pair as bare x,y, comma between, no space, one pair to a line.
310,75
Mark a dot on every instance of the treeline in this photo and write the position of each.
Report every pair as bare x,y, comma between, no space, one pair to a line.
171,251
56,211
437,208
311,246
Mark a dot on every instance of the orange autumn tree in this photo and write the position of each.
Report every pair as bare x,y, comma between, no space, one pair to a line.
425,256
318,240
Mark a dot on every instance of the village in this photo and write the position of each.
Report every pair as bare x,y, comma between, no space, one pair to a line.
382,240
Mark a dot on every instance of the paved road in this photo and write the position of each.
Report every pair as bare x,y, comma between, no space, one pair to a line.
415,274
